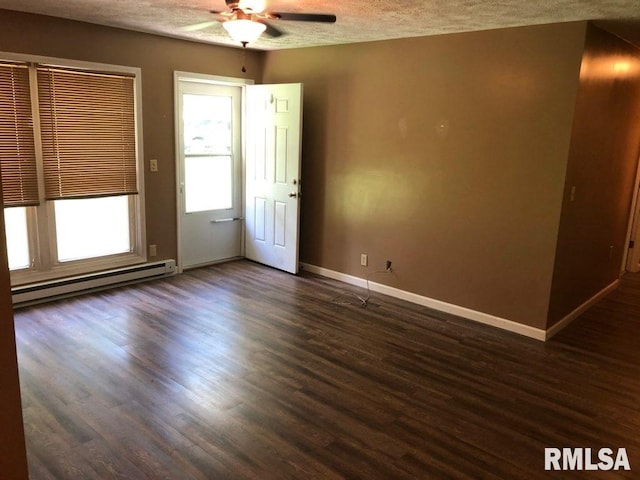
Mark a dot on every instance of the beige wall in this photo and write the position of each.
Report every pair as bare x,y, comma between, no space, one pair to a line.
158,57
444,154
602,166
13,457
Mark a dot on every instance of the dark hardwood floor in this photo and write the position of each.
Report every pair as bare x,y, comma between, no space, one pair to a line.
239,371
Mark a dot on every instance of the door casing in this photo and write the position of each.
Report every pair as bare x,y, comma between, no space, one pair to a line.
179,77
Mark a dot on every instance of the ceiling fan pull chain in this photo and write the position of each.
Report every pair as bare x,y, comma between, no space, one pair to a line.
244,51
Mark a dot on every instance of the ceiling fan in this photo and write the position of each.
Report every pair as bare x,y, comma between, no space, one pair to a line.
246,20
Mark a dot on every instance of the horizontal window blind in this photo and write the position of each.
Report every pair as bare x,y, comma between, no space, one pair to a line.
87,123
17,148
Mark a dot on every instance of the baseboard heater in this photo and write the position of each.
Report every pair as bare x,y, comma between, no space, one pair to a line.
39,292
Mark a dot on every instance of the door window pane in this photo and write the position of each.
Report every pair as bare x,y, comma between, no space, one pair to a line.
208,183
93,227
17,237
207,124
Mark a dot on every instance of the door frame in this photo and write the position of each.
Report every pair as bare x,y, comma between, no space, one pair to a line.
631,257
179,76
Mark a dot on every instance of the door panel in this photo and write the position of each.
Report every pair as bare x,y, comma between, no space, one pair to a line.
274,118
259,219
210,172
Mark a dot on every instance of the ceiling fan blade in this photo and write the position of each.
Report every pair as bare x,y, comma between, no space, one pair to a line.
304,17
199,26
272,31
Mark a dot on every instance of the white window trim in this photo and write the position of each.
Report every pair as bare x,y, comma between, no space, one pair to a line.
137,203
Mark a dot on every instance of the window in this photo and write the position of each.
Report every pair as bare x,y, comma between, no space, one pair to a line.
105,229
208,161
70,169
15,220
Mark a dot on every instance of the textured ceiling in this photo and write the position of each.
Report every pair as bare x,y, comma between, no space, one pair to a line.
358,20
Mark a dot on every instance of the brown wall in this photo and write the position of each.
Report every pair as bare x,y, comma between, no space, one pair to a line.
13,457
158,57
444,154
602,166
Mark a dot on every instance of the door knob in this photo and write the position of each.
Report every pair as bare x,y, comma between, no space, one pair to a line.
293,194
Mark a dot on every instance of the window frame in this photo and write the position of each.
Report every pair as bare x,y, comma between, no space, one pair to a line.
41,219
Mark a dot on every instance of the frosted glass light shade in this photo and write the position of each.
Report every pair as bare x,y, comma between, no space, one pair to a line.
244,31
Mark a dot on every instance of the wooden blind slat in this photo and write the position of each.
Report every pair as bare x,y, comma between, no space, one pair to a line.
17,148
88,133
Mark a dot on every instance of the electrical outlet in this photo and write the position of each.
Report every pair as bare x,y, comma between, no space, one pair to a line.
364,259
153,165
152,251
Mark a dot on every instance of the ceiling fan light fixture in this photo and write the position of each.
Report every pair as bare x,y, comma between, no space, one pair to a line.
243,30
252,6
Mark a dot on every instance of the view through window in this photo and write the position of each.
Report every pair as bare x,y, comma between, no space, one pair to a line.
83,211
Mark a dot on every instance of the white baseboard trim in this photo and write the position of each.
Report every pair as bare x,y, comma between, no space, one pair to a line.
439,305
550,332
469,314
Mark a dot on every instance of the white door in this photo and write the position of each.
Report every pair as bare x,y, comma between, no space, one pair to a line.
273,155
210,172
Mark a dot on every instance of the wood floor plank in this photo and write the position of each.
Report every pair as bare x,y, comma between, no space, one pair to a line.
238,371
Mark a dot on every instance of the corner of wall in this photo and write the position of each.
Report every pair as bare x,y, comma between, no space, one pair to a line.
600,176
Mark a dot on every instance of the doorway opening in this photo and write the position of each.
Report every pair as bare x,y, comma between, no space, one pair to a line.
238,154
209,169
